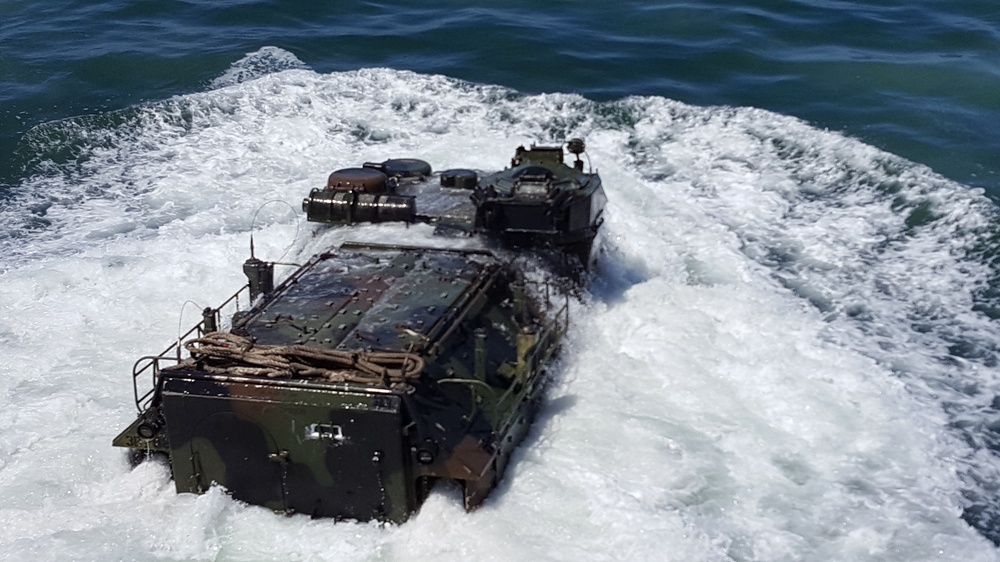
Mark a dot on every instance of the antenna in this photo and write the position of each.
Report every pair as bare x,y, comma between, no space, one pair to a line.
260,274
180,326
254,222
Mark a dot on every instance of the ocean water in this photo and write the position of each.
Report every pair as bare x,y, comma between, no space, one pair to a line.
790,347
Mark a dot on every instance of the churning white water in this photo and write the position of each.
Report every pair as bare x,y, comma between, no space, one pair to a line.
765,369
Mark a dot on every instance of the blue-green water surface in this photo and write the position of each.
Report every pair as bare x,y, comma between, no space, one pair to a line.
920,80
789,351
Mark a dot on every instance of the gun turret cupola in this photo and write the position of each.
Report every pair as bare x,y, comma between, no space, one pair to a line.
542,202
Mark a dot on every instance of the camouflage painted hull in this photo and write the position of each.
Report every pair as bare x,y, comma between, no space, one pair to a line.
331,446
373,371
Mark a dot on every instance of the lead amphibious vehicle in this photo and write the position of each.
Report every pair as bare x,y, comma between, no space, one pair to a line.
372,371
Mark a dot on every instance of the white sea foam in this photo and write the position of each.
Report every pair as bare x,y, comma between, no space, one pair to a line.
745,382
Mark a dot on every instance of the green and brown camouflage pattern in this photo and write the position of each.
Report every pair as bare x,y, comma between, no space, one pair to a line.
365,451
400,365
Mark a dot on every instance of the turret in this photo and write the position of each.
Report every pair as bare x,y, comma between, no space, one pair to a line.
542,202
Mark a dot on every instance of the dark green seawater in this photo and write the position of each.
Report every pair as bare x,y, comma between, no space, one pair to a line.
789,351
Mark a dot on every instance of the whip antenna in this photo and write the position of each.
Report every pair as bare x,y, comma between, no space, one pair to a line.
254,222
260,274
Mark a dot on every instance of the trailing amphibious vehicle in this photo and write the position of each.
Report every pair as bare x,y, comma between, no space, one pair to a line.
372,371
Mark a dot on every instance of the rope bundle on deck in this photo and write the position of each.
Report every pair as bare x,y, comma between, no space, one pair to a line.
226,353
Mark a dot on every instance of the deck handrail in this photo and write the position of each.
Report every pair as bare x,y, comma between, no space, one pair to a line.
149,365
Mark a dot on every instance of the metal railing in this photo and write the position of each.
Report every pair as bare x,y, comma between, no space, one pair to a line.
150,365
547,341
545,346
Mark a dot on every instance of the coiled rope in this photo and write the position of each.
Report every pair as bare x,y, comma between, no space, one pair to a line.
226,353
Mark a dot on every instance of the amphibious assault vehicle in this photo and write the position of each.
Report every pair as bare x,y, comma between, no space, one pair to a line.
372,371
